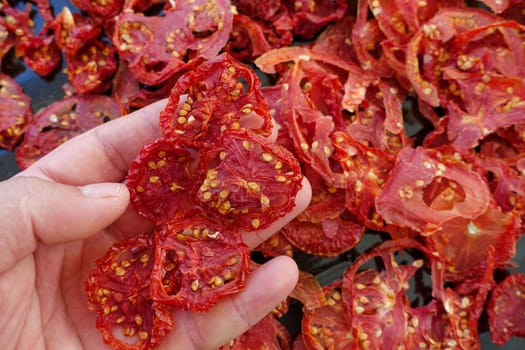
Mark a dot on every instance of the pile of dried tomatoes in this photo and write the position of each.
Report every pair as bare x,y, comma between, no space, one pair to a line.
407,117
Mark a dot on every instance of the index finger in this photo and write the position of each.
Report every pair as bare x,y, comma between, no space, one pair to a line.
102,154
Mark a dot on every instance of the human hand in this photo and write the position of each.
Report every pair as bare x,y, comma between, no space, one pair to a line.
66,210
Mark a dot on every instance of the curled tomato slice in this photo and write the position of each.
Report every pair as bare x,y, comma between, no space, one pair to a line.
15,112
427,188
197,262
249,181
506,298
219,95
161,181
118,290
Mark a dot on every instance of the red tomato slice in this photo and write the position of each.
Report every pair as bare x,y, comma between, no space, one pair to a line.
15,112
427,188
61,121
463,244
219,95
162,182
197,262
327,238
90,68
504,318
249,181
157,47
72,30
267,334
118,290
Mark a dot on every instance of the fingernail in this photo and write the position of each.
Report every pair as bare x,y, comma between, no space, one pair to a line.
102,190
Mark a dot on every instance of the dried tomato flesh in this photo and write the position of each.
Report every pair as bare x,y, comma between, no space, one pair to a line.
219,95
197,262
162,181
506,299
118,290
61,121
15,112
249,181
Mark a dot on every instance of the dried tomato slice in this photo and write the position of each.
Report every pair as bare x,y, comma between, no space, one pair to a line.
100,9
327,238
162,181
328,326
309,16
218,95
309,292
268,334
276,245
463,244
156,47
197,262
61,121
91,67
118,290
365,169
428,187
429,41
41,54
8,38
506,299
265,10
249,181
72,30
247,39
15,112
130,94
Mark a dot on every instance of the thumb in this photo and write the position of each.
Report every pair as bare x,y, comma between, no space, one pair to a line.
35,210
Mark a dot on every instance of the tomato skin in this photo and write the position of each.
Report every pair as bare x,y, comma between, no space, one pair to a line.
197,262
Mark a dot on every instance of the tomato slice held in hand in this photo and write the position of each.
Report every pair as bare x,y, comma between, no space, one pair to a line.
197,262
162,181
249,181
219,95
118,290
